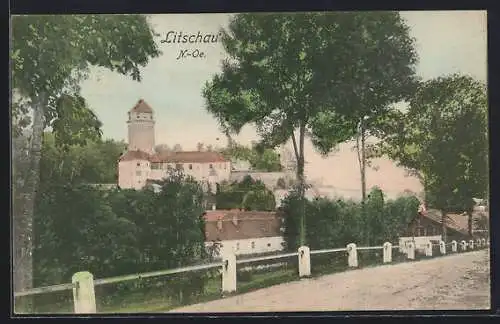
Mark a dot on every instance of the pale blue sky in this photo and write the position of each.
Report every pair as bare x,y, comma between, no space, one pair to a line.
447,42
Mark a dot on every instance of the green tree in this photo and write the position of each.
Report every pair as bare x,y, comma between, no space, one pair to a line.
50,56
315,74
118,232
248,194
92,163
442,139
335,223
260,158
78,230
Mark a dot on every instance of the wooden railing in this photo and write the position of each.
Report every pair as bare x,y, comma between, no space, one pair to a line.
83,283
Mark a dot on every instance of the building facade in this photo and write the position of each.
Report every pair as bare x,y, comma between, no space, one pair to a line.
141,163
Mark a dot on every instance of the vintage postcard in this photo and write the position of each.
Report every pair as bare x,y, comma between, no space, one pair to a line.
251,162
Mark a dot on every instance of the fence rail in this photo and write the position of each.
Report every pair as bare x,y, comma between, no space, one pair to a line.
44,290
267,257
111,280
368,248
328,251
83,283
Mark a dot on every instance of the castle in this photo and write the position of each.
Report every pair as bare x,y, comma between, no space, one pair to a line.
141,164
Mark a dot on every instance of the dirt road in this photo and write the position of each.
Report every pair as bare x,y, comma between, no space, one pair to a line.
460,281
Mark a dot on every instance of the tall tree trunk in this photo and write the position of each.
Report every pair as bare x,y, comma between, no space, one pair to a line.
299,154
363,165
361,152
23,229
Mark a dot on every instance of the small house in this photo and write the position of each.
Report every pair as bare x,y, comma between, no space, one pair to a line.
243,232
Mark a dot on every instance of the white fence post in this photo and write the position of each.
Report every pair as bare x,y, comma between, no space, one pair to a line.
478,243
483,242
304,256
84,293
428,249
454,246
442,247
229,273
411,251
352,259
387,252
471,244
463,245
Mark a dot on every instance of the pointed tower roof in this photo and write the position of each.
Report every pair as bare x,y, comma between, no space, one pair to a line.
141,107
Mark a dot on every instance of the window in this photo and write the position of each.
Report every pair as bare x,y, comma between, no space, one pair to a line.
420,231
155,166
190,167
225,166
237,246
138,173
138,163
211,166
268,244
179,166
253,245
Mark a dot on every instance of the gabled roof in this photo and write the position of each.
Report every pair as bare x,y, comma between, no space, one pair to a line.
456,222
175,157
135,155
141,107
191,157
249,224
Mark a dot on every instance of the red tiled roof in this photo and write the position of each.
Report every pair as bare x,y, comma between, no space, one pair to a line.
141,107
457,222
191,157
135,155
175,157
250,224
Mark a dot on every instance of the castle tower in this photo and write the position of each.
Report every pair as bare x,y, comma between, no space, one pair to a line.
141,128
